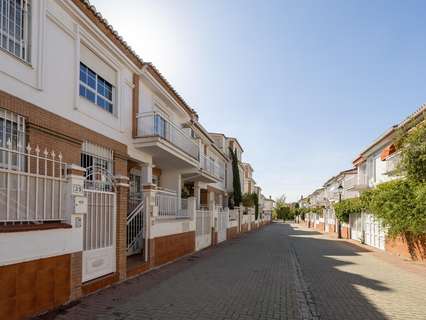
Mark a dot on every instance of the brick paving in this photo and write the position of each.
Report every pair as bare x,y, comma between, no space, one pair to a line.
278,272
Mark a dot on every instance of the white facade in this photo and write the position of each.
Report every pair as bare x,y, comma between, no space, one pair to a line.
62,38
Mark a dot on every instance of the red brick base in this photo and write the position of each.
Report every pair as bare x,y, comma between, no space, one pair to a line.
414,249
345,232
169,248
244,227
320,227
32,287
231,233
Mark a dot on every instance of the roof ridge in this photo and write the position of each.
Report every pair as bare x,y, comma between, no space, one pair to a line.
105,22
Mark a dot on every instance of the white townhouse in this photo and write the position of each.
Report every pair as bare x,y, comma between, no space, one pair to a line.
377,164
97,154
339,187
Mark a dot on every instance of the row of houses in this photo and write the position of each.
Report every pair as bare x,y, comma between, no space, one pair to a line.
105,170
376,164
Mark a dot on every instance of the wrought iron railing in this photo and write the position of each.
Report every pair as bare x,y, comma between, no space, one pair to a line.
32,185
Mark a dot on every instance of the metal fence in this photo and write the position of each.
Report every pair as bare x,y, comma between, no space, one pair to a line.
151,124
170,205
31,185
233,214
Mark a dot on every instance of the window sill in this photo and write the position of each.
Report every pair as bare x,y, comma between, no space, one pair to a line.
24,62
33,227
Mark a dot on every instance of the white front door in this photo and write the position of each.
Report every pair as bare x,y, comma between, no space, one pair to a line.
222,225
99,234
203,229
374,232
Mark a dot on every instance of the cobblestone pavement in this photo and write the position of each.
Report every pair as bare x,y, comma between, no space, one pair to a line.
279,272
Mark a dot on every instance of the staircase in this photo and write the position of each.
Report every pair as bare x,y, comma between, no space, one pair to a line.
135,228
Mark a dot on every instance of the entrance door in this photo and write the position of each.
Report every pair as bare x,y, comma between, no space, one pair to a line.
355,222
99,234
327,220
203,229
99,222
374,232
222,224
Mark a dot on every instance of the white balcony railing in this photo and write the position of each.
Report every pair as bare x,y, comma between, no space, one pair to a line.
151,124
212,167
170,205
392,163
356,181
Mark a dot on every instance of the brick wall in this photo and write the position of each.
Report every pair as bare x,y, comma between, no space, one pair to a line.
414,249
345,232
231,233
63,132
171,247
244,227
320,227
76,275
121,227
32,287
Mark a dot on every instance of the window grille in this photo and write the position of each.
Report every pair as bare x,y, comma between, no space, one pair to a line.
12,137
98,162
15,27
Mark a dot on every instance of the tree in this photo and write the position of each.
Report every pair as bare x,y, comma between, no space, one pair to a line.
256,204
247,200
235,178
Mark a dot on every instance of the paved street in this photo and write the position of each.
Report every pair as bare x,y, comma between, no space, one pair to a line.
280,272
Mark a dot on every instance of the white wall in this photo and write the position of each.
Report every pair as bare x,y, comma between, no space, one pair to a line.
31,245
51,81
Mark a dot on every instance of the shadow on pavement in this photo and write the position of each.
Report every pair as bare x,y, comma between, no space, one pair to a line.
334,291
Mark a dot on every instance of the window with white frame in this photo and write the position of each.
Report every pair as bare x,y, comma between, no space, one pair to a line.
96,89
15,27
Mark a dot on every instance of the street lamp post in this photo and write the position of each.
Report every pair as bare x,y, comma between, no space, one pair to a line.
339,227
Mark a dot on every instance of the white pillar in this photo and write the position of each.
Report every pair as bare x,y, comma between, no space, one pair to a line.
147,174
197,194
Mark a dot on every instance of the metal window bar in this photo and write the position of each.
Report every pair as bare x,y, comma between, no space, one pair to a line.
98,162
15,24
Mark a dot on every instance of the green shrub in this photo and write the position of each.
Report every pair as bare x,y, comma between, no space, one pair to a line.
413,151
400,204
346,207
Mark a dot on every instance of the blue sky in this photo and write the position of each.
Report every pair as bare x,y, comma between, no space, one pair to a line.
303,85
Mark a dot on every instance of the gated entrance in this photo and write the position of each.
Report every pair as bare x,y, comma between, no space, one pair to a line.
374,232
99,253
203,229
222,224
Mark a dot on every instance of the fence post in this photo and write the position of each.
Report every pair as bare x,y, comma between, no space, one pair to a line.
122,190
151,212
76,208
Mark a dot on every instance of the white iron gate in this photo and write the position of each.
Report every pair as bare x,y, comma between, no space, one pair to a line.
99,252
355,222
373,232
203,229
222,224
99,234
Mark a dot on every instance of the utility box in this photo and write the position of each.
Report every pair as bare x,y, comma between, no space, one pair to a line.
80,205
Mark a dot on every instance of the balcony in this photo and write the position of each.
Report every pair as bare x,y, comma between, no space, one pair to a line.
208,171
169,145
357,182
392,164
